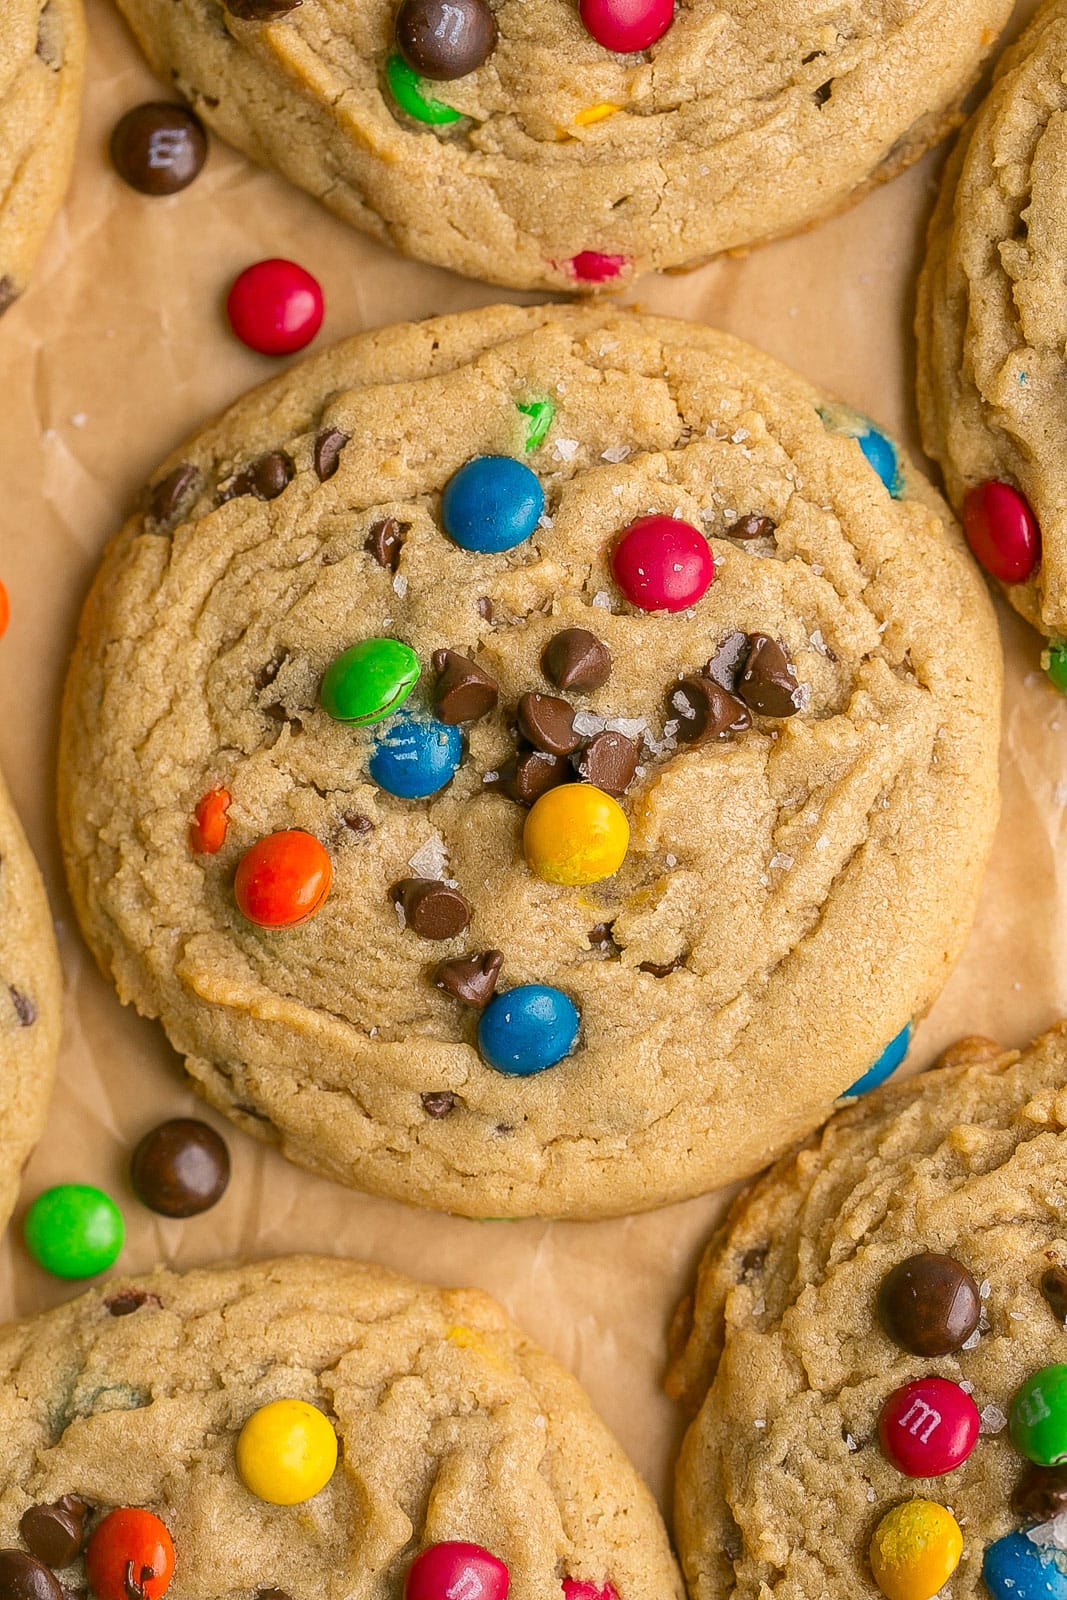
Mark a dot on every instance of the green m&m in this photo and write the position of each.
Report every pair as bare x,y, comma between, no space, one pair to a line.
1054,661
1038,1416
412,95
369,681
74,1230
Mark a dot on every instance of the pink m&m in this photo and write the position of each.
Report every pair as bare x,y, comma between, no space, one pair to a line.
275,307
662,564
456,1571
596,266
1002,531
578,1589
928,1427
625,25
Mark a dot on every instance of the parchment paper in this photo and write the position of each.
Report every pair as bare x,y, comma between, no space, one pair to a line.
118,350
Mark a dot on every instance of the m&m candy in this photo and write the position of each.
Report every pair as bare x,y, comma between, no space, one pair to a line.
929,1304
207,831
130,1551
5,610
1002,531
445,39
597,266
416,756
286,1452
915,1550
1037,1419
275,307
526,1029
575,834
283,879
412,95
579,1589
456,1571
492,503
928,1427
881,454
625,25
662,564
885,1066
1014,1568
74,1230
369,681
1054,662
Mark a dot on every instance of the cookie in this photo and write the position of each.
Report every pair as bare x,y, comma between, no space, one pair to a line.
319,761
445,1423
991,368
558,161
42,60
868,1324
30,1001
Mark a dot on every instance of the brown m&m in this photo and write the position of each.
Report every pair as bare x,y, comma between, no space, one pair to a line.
159,147
180,1168
445,39
929,1304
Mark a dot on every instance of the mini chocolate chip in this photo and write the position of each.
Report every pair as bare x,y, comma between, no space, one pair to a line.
8,293
929,1304
268,672
548,724
180,1168
706,710
1054,1289
159,147
530,774
357,822
1041,1493
484,607
728,660
327,453
664,970
265,477
130,1300
754,1260
768,683
576,659
463,692
25,1009
55,1533
751,527
384,541
823,92
22,1577
431,908
470,978
609,761
441,1103
445,39
167,498
259,10
600,936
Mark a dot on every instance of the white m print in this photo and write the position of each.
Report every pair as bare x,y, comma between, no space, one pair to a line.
926,1420
450,27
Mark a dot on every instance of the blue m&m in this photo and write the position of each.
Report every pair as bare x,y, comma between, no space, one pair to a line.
492,503
527,1029
887,1063
881,453
1014,1568
415,756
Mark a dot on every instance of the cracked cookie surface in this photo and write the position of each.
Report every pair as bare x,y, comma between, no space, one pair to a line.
793,892
747,119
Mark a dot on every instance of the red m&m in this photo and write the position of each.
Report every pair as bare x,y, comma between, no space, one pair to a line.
456,1571
130,1553
625,25
662,564
275,307
1002,531
283,879
928,1427
579,1589
597,266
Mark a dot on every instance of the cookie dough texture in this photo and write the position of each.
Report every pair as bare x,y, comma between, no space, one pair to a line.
42,59
451,1426
814,878
992,321
30,1001
781,1479
748,119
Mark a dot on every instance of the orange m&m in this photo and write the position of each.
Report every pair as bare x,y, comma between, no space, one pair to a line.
283,879
130,1552
207,831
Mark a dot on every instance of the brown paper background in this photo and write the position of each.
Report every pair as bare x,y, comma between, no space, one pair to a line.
117,351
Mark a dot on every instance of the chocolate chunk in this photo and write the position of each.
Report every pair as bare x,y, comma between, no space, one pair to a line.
8,293
609,761
728,660
25,1009
576,659
167,498
470,978
445,39
327,453
441,1103
1054,1289
22,1577
158,147
384,541
751,527
463,692
357,823
431,908
706,710
929,1304
662,970
265,477
55,1533
530,775
548,724
768,683
1041,1493
260,10
180,1168
484,608
127,1301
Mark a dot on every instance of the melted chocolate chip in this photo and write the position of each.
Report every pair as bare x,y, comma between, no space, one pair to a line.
609,761
127,1301
548,724
440,1103
357,823
159,147
754,1260
8,293
726,663
768,683
484,608
25,1009
431,909
706,710
168,497
1041,1493
266,477
1054,1289
530,775
823,92
260,10
55,1533
600,936
327,452
384,542
180,1168
22,1577
445,39
471,979
463,692
751,527
662,971
929,1304
576,659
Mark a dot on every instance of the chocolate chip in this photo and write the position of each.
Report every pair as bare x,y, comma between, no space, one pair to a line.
728,660
272,1594
768,683
180,1168
159,147
55,1533
576,659
357,822
441,1103
753,1261
268,672
384,541
431,909
327,452
25,1009
609,761
463,692
22,1577
530,775
664,970
127,1301
265,477
1054,1289
134,1580
445,39
548,724
484,608
929,1304
600,936
706,710
8,293
751,527
823,92
260,10
170,494
470,978
1041,1493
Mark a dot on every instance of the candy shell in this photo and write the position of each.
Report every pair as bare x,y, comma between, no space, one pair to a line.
369,681
928,1427
454,1570
526,1029
130,1543
885,1066
1037,1417
1014,1568
626,25
415,756
915,1550
492,503
662,564
412,95
283,879
1002,531
275,307
74,1230
575,834
286,1452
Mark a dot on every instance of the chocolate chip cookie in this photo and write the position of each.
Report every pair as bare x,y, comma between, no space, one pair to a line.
532,761
546,144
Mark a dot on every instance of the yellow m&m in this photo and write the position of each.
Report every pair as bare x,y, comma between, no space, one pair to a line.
575,834
286,1452
915,1550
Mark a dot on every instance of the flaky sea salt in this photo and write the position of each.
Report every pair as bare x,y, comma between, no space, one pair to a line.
588,724
1050,1535
780,862
823,842
400,584
971,1343
430,859
672,861
992,1420
565,449
615,453
850,1442
603,599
